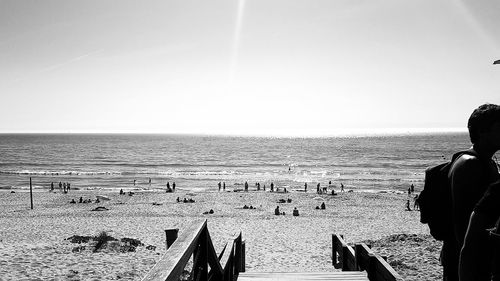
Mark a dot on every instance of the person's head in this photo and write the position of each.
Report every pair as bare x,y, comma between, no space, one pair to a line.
483,121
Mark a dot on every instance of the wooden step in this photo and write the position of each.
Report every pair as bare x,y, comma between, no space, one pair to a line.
316,276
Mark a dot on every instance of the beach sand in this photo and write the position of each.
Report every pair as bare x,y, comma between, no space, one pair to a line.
33,243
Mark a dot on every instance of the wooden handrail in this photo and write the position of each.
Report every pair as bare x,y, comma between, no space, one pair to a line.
364,258
196,241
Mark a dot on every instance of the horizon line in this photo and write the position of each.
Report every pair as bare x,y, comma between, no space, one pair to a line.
338,133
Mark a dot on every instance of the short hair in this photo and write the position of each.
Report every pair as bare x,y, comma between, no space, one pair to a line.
481,120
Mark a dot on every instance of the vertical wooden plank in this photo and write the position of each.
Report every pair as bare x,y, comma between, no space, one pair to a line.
171,236
237,254
243,250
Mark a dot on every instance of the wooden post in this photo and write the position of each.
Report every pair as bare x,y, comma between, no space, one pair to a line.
243,245
237,254
171,236
31,194
200,264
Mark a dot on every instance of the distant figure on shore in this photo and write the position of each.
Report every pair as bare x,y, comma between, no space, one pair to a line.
416,206
219,184
412,188
134,182
73,201
121,192
323,206
52,186
60,185
224,186
258,186
289,169
317,188
168,185
149,181
272,186
295,212
329,183
173,186
264,187
246,186
68,186
408,205
341,187
409,191
81,199
64,188
305,187
333,192
277,211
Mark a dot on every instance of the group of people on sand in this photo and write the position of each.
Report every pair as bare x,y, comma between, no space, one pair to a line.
277,212
185,200
130,193
84,200
170,189
416,206
63,186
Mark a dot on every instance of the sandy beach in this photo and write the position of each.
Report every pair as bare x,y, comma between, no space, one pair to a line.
33,243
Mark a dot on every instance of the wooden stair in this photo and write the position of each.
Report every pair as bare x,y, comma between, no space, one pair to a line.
306,276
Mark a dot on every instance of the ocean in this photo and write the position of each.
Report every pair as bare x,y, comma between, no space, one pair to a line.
389,163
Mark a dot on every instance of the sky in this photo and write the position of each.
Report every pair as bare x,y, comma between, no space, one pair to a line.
246,67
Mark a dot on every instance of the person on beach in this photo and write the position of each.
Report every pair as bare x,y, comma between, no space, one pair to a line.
469,178
149,181
272,186
408,205
246,186
341,187
412,188
64,187
224,186
305,187
277,211
323,206
52,186
317,189
168,185
295,212
68,186
416,206
60,185
219,184
173,186
475,262
134,182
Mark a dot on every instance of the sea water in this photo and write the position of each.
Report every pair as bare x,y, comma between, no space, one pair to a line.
389,163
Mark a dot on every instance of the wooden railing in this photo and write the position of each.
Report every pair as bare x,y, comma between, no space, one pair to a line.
195,242
361,258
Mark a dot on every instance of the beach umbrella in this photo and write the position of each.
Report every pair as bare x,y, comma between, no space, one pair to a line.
496,62
319,198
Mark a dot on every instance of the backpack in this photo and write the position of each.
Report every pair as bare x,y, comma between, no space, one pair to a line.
435,199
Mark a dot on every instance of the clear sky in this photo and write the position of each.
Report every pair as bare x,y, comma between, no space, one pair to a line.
265,67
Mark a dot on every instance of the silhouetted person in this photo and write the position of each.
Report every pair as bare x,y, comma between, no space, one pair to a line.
416,206
224,186
277,210
323,206
134,182
219,184
412,188
408,205
246,186
81,200
168,185
475,263
341,187
469,178
295,212
272,186
317,188
305,187
149,181
52,186
173,186
60,185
